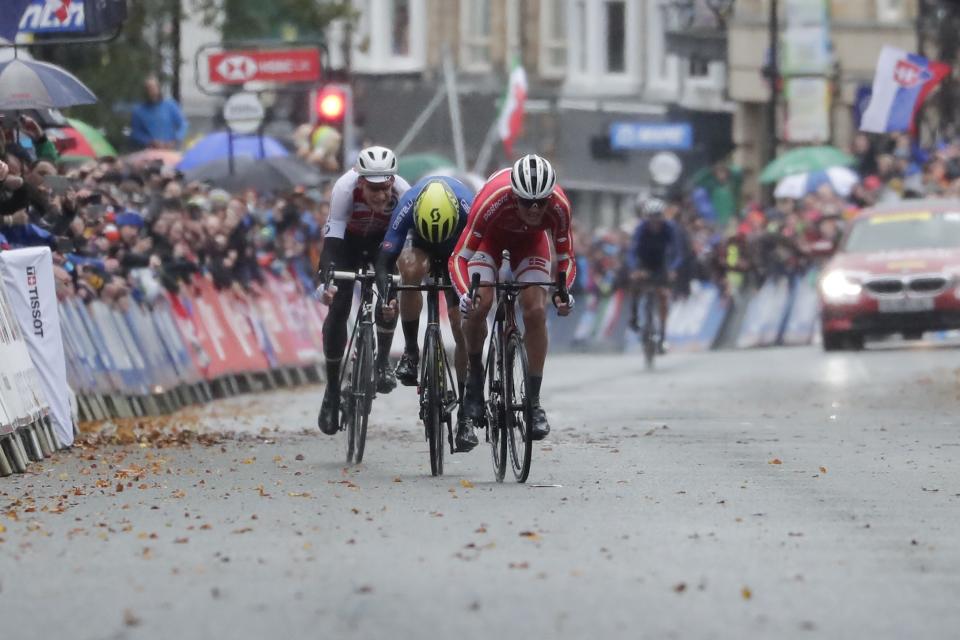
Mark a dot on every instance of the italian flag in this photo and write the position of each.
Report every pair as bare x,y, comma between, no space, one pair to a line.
510,120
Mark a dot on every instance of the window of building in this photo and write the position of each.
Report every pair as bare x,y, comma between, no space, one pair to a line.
581,24
476,33
389,36
698,68
400,22
553,37
615,33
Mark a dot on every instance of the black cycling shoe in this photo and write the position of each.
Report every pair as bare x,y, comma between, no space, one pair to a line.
466,439
329,420
386,380
407,368
540,427
471,407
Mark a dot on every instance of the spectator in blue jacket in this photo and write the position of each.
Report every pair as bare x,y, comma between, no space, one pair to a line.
158,122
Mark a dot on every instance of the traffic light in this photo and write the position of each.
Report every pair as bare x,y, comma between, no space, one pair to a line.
331,103
332,116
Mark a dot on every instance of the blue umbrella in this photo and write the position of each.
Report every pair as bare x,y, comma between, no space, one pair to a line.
28,84
216,147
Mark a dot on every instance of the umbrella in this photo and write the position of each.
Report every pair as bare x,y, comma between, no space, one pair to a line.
803,160
100,146
28,84
166,157
840,179
279,173
216,147
473,180
416,165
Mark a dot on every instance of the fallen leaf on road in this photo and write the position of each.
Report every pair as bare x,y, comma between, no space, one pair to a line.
519,565
130,619
299,494
119,487
3,529
680,587
278,458
181,541
776,461
263,494
466,484
746,593
365,589
481,529
299,456
823,469
147,553
529,535
179,493
64,476
398,479
248,460
243,530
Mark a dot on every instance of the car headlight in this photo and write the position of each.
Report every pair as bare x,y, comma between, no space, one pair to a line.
837,285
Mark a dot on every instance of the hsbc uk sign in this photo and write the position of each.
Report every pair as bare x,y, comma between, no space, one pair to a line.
275,65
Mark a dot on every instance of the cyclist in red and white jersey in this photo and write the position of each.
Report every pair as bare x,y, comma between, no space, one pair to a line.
524,211
360,208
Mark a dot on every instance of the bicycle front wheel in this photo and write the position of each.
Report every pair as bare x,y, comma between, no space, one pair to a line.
495,408
433,392
519,414
361,396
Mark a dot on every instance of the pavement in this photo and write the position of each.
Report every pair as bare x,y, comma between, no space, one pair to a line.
775,492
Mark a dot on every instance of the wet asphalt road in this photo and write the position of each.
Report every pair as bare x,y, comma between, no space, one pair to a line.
740,494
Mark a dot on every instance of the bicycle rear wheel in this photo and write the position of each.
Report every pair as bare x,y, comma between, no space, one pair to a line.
519,414
361,400
649,337
495,407
433,392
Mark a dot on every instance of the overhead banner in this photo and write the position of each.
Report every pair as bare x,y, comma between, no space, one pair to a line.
28,279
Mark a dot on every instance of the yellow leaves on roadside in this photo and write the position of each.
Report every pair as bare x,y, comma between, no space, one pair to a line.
299,494
248,461
530,535
776,461
823,469
466,484
745,593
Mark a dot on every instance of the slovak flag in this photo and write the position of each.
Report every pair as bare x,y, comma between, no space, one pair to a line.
902,82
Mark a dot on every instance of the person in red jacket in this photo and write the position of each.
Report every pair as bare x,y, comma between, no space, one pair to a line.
524,211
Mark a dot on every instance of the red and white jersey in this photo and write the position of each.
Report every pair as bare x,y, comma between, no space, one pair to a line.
494,213
349,212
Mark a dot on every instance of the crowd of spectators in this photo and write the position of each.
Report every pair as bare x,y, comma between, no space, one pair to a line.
122,231
735,242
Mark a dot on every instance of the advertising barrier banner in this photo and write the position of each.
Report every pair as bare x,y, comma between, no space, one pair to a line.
28,279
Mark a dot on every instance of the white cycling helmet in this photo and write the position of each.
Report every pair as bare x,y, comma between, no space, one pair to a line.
532,177
377,164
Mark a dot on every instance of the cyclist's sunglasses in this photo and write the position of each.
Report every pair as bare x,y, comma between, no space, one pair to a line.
530,203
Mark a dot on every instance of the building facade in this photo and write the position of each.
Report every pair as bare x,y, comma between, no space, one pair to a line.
858,29
594,67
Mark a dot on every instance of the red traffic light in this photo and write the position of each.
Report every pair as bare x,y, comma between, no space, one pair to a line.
331,104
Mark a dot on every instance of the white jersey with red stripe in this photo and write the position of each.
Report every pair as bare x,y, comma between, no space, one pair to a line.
494,213
350,213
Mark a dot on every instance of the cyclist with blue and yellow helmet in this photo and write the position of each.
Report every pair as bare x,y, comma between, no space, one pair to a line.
424,229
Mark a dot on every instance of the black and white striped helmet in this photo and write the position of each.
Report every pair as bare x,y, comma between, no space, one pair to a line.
532,177
377,164
650,206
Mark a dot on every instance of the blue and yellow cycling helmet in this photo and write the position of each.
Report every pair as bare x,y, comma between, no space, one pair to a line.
436,212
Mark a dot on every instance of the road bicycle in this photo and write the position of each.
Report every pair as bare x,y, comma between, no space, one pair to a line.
436,387
357,382
508,410
646,303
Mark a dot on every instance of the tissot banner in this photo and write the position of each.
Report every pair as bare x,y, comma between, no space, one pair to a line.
28,279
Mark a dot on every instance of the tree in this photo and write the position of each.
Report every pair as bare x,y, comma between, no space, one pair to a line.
256,19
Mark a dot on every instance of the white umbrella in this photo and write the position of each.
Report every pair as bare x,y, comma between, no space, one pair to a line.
840,179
